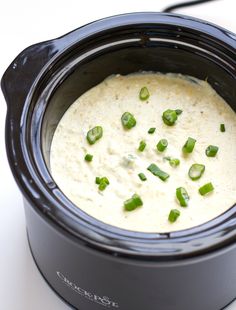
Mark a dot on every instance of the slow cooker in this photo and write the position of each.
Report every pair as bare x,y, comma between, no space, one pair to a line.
89,264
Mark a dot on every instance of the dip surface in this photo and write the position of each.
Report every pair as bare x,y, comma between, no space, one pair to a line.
116,154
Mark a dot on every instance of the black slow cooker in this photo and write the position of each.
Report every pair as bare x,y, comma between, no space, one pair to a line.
90,264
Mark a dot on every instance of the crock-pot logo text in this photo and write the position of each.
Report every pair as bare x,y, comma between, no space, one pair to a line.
103,301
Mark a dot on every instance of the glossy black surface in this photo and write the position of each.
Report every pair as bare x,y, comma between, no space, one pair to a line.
46,78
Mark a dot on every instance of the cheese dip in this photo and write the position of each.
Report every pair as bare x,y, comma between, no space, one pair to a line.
179,174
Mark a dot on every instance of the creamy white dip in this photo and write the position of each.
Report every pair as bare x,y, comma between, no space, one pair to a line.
116,156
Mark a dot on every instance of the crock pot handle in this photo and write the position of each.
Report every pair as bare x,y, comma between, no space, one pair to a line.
20,75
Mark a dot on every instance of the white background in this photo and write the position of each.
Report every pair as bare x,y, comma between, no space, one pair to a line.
23,23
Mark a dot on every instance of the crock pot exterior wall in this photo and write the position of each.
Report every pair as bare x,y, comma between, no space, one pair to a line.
89,279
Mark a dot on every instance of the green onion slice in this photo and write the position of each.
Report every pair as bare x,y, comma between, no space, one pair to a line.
174,162
222,127
137,200
205,189
158,172
94,134
162,145
105,180
88,157
189,145
173,215
144,94
151,130
182,196
211,150
102,186
133,203
102,182
128,120
97,180
142,146
196,171
169,117
142,176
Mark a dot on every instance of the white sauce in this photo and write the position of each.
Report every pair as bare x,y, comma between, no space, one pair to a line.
203,112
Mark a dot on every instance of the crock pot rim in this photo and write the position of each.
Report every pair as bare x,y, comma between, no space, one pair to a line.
124,20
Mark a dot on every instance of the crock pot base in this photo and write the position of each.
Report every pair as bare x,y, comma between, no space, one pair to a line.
58,295
66,302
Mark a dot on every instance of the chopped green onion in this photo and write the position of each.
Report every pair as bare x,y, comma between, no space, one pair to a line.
105,179
94,134
102,186
211,150
189,145
178,111
129,205
205,189
196,171
128,120
182,196
162,145
137,199
102,182
174,162
88,157
158,172
144,94
98,180
222,127
151,130
133,203
169,117
142,146
174,214
142,176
